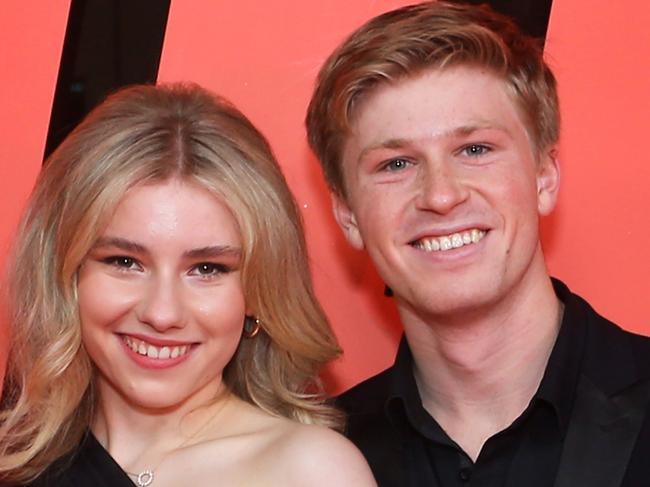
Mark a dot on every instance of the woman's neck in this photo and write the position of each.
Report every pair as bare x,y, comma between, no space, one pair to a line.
137,436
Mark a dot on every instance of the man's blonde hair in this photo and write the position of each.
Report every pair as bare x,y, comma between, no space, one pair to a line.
431,35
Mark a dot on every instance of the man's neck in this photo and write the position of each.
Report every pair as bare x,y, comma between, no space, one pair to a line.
475,379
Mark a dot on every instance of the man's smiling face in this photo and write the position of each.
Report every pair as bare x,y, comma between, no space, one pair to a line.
444,190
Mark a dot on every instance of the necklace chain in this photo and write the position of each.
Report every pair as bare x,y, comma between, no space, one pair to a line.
146,477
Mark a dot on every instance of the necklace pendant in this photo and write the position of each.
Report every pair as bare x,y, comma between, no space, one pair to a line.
145,478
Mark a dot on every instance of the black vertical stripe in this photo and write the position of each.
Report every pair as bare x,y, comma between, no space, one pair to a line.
108,44
114,43
531,15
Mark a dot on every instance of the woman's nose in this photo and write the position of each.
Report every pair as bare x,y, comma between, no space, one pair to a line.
162,306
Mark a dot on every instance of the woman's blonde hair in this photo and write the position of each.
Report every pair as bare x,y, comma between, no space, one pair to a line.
141,135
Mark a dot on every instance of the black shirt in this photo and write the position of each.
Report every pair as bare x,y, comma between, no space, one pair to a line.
532,443
89,466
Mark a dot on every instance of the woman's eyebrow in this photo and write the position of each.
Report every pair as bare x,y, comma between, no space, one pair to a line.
213,251
120,243
210,251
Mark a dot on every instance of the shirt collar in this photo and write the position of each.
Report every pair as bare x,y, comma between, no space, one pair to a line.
564,365
404,404
557,387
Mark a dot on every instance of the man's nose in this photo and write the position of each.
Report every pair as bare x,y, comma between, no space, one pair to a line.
441,188
162,306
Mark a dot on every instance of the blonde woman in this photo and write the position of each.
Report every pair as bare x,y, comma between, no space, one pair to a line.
165,330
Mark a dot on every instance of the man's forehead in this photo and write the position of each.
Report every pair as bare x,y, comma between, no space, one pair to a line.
433,104
374,91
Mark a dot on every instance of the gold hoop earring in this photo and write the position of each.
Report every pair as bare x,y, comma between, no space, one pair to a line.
251,326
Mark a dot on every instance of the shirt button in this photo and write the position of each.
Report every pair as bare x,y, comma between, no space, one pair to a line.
465,474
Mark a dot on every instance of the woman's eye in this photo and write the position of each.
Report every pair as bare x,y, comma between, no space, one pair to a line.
396,165
474,150
121,261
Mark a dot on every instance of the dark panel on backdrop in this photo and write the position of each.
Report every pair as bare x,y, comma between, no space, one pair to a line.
114,43
531,15
108,44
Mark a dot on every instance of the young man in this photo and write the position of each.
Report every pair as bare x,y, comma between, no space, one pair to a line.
436,126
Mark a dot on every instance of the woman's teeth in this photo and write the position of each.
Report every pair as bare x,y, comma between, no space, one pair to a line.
148,350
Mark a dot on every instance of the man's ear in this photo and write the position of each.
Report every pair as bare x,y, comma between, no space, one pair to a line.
548,182
347,221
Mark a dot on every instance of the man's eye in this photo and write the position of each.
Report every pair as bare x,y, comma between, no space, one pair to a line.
474,150
210,269
396,164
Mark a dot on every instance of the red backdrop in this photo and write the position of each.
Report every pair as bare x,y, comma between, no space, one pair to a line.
31,41
264,57
599,238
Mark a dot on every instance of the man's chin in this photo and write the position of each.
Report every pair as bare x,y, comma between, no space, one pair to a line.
447,303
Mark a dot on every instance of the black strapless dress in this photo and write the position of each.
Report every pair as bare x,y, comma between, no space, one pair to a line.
89,466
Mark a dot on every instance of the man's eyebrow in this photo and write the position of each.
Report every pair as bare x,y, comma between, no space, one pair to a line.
396,143
402,142
213,251
469,129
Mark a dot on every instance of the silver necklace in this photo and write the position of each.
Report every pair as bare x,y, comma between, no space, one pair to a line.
142,479
146,477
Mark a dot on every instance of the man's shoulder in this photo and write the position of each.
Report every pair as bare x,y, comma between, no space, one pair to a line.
371,428
614,412
367,397
640,344
609,340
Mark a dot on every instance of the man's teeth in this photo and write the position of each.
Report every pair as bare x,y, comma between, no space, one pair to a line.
453,241
151,351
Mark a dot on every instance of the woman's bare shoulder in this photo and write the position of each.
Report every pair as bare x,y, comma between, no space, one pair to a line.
315,455
257,448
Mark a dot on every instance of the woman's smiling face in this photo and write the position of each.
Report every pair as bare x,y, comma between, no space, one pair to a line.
160,296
